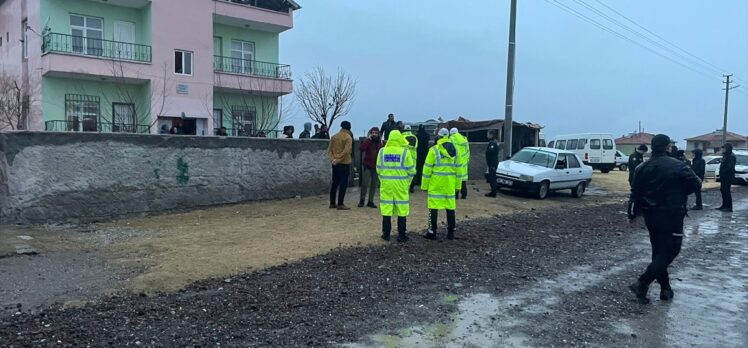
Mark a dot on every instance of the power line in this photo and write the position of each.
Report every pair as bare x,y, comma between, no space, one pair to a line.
607,29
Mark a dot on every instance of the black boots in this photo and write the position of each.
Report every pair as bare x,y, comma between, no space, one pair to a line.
451,234
666,294
386,227
402,230
640,290
430,234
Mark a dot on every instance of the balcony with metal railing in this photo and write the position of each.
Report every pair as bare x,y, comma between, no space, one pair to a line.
252,75
94,126
96,48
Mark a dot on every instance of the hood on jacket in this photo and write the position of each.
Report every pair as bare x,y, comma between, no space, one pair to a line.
446,148
308,126
697,153
396,139
727,149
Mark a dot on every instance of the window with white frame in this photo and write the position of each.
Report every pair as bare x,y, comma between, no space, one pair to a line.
87,33
182,62
123,118
81,112
242,56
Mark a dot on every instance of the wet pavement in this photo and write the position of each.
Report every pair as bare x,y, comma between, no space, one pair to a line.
535,279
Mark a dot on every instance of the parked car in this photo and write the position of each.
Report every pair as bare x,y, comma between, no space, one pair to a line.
597,150
541,170
741,168
712,165
622,161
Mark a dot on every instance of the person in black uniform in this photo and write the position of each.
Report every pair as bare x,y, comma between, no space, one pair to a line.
726,177
635,159
660,193
698,165
492,160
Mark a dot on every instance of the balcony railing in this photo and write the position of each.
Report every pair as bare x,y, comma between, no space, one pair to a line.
92,125
64,43
251,67
272,5
237,132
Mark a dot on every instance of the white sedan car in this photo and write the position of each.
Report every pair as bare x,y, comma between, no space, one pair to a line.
741,168
540,170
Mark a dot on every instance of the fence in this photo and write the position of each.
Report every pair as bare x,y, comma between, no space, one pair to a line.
64,43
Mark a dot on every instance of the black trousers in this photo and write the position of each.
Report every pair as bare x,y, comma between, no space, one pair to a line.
340,173
724,188
492,178
387,225
698,197
666,237
451,221
462,191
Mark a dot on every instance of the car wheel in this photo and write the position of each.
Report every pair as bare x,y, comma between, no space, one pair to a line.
578,191
543,190
623,168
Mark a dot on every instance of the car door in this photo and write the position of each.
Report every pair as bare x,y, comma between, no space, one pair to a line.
576,174
561,173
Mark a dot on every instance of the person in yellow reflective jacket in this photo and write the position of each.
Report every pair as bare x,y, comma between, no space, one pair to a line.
463,150
412,148
396,169
440,180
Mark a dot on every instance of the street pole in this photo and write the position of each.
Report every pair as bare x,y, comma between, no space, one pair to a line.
508,123
727,95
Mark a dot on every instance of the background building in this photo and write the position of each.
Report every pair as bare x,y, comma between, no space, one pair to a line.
711,142
142,66
628,143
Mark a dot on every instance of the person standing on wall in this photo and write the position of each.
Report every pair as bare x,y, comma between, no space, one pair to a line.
421,151
726,177
698,165
369,149
339,153
660,193
412,141
322,133
306,133
492,161
463,160
388,126
635,159
396,169
440,180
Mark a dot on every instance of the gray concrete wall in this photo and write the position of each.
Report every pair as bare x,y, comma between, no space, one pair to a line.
78,177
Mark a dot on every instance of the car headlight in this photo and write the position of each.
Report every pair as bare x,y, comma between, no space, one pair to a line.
525,177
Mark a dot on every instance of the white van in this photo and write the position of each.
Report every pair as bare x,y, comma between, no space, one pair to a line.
597,150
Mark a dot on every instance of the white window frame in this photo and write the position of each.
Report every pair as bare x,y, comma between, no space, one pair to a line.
192,62
84,32
247,50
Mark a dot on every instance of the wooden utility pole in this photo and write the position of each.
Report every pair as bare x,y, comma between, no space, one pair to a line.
727,95
508,123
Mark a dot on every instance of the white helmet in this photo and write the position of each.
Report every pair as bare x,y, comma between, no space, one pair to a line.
407,127
453,131
443,132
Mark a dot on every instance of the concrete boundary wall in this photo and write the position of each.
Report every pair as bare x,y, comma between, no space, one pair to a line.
82,177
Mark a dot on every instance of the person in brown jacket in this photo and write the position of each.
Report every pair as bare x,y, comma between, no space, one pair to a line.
340,152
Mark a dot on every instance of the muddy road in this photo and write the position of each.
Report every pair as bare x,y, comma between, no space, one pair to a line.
540,278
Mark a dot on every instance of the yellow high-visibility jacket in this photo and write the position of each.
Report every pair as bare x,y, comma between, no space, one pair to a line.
395,168
463,151
440,175
412,144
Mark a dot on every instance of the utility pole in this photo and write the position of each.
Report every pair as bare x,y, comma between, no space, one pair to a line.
727,95
508,123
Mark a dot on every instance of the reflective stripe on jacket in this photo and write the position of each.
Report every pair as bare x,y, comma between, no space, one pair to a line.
463,154
396,168
440,175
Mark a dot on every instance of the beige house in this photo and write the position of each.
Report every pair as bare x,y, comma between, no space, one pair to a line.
711,142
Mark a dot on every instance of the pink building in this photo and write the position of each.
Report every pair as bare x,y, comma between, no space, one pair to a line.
147,66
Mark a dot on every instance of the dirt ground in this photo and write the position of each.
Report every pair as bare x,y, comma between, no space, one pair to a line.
549,277
173,250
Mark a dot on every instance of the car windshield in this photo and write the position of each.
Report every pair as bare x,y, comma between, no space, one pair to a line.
535,157
742,160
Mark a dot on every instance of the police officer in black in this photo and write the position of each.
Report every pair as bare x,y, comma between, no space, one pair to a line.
635,159
698,165
726,177
492,160
660,193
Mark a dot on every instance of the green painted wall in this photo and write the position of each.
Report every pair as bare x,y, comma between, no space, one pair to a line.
55,88
58,12
264,105
266,44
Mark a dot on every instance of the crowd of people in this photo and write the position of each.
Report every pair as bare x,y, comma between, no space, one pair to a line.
397,161
659,192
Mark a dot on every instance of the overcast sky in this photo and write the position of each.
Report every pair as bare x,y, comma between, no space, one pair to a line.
422,59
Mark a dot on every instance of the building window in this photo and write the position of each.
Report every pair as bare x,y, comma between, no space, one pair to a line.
182,62
123,118
81,112
242,56
87,33
244,120
25,48
217,118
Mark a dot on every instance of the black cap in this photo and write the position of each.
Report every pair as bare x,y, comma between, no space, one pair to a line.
660,143
643,148
345,125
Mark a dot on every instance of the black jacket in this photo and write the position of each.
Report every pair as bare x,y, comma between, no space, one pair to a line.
727,166
662,184
388,127
492,154
699,167
635,159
